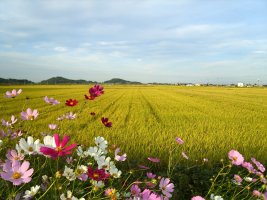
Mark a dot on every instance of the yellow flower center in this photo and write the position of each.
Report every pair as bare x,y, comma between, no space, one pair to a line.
95,175
30,149
16,175
235,158
59,149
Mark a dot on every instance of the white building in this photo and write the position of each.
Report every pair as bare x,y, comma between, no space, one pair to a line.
240,84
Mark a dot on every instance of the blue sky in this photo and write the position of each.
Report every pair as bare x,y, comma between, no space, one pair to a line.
216,41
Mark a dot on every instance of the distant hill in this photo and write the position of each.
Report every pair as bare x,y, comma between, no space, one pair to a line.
12,81
62,80
120,81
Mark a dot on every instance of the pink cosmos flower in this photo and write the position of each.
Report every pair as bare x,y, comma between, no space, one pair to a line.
236,157
143,167
16,172
135,190
237,179
150,175
154,160
60,149
179,140
256,193
70,116
184,155
166,187
118,157
13,93
197,198
52,126
29,114
51,101
249,167
258,164
7,123
111,192
148,195
12,155
97,174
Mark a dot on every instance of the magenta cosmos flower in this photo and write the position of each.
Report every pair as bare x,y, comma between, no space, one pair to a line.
29,114
60,149
166,187
17,173
106,122
94,92
236,157
51,101
13,93
97,174
197,198
155,160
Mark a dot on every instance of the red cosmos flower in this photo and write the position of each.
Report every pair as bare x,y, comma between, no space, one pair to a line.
60,149
71,102
97,174
94,92
106,122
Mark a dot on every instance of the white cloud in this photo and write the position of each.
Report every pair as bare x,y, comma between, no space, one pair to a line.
60,49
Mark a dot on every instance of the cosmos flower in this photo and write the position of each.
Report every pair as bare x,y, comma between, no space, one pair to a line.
70,116
118,157
94,92
197,198
258,164
69,196
51,101
111,193
166,187
185,156
135,190
179,140
52,126
30,146
148,195
71,102
31,193
150,175
29,114
249,167
143,167
13,93
236,157
97,174
60,149
237,179
16,172
12,155
7,123
106,122
154,160
69,174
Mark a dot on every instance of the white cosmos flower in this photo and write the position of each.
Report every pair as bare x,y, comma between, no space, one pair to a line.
31,193
248,179
30,146
114,171
101,143
69,174
213,197
98,184
81,172
69,196
81,153
95,152
49,141
103,162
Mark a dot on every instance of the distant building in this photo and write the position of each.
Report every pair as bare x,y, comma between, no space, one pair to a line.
197,84
240,84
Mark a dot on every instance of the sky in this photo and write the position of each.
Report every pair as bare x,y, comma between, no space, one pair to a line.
207,41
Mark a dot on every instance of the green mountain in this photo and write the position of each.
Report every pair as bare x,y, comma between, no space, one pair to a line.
12,81
62,80
120,81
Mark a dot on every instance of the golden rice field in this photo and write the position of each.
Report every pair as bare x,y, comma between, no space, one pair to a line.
146,119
